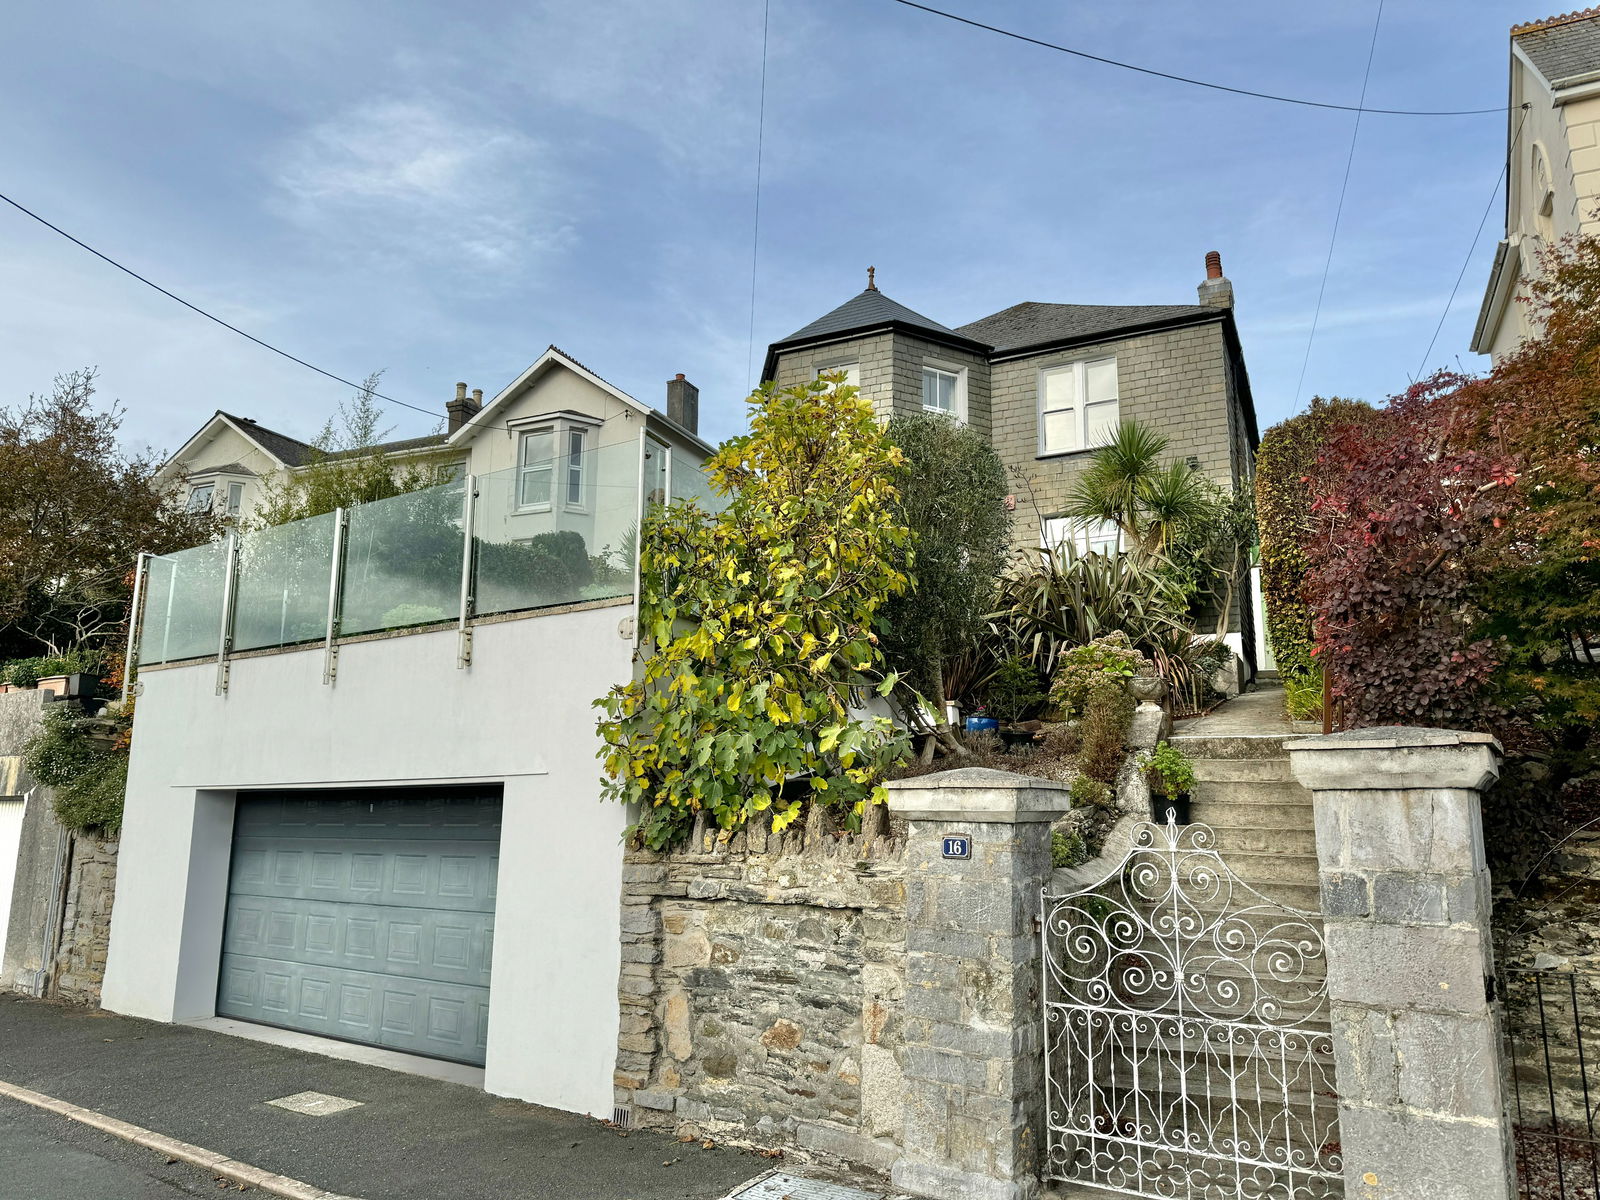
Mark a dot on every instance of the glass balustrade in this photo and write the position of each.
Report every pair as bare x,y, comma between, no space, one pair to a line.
546,533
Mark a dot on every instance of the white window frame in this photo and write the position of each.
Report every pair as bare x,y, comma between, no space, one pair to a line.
202,496
1079,369
958,398
235,497
575,469
1082,533
547,465
561,432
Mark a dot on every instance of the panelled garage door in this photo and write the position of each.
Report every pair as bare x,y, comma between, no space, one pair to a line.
366,915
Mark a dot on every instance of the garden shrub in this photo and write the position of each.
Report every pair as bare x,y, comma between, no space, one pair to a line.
1169,771
26,672
1013,692
1302,695
1068,848
1285,462
761,621
88,776
1107,717
1109,657
1090,793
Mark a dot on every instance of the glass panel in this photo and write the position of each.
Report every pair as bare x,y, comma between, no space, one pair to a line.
403,561
183,604
689,482
938,390
235,498
1102,379
528,559
200,498
1102,422
1060,430
281,596
1061,388
656,457
575,467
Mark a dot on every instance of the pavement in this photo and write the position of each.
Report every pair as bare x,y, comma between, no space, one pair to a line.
410,1138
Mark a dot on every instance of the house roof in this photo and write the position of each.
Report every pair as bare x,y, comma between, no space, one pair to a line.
869,309
1562,47
226,469
1032,324
291,452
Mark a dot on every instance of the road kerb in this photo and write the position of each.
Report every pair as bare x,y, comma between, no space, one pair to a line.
218,1164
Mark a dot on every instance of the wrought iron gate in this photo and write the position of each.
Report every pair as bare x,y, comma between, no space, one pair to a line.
1554,1045
1187,1052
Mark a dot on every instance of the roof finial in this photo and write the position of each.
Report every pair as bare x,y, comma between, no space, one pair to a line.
872,279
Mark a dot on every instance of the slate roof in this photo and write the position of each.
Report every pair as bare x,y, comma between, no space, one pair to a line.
295,453
869,309
1562,47
290,451
227,469
1033,324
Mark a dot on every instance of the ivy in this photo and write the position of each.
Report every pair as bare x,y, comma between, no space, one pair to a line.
760,621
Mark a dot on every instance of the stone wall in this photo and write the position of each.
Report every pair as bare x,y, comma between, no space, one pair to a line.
59,925
761,985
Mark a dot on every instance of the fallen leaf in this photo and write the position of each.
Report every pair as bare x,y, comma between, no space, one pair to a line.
707,1144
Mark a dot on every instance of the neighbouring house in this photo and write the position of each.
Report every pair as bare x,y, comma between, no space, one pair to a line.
1046,383
229,462
1552,163
364,766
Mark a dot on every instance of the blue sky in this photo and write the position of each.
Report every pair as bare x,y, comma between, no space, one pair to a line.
442,191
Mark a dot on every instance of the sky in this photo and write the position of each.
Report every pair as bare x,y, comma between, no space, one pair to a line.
440,192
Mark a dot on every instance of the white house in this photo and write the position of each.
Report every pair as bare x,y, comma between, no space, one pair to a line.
363,800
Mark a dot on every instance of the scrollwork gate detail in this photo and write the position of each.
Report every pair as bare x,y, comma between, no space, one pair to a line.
1187,1052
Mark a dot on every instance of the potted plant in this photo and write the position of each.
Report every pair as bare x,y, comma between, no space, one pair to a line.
1013,693
1170,774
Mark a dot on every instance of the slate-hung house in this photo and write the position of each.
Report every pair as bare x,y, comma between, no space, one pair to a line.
1047,382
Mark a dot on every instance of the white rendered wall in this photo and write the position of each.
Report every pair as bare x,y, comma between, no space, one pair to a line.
400,713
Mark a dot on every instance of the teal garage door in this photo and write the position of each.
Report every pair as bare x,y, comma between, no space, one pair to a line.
364,915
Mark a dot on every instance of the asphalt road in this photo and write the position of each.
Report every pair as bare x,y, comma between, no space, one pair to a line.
46,1157
410,1139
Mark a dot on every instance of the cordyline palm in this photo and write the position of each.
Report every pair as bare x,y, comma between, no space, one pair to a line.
1127,484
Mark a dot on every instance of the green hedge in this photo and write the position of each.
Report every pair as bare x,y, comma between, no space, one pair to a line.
1287,455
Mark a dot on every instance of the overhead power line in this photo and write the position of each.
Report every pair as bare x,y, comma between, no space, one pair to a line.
195,308
1216,87
1511,151
1338,212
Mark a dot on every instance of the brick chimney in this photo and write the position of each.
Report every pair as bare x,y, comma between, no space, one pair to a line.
683,403
461,410
1216,291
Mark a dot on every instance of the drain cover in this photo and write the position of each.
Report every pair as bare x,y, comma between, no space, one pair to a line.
314,1104
782,1186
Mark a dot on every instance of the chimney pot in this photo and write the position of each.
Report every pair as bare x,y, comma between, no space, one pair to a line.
1215,289
683,403
461,410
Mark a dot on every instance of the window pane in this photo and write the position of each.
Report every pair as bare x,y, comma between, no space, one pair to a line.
200,498
1102,379
535,485
1102,422
852,372
1061,388
1100,537
1055,531
235,498
1060,431
538,447
938,390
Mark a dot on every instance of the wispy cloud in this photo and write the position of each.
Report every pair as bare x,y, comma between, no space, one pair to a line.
409,177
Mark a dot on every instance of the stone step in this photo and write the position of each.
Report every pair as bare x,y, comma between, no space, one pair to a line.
1252,791
1257,814
1245,770
1272,866
1274,838
1200,746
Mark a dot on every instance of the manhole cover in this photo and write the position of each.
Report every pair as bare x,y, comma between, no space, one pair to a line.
314,1104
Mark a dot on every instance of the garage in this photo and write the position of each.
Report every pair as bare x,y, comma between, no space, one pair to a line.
365,915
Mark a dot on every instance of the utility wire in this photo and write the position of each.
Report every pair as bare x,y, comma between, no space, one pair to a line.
755,234
1216,87
1338,211
1505,167
195,308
